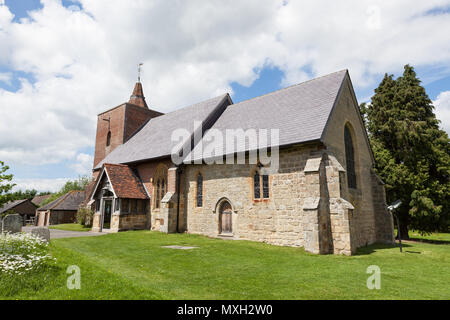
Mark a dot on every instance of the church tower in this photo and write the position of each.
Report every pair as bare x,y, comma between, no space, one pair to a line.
115,126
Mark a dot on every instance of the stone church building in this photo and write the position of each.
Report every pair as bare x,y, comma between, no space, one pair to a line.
324,196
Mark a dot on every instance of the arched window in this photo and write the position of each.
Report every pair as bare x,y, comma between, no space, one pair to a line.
350,158
261,185
163,189
265,180
108,139
199,190
256,186
158,194
159,185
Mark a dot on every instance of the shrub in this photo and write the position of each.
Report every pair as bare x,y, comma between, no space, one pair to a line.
85,216
22,253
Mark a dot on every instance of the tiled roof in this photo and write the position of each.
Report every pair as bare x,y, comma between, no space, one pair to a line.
11,205
125,182
299,112
137,98
38,199
154,139
70,201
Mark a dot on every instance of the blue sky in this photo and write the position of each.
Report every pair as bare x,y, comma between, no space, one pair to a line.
66,61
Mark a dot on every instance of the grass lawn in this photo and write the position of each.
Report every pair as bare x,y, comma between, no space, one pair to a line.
434,237
70,227
133,265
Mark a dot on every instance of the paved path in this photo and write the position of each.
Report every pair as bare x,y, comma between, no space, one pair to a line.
57,234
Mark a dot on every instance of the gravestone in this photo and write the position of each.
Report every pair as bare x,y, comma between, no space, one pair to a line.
41,232
12,223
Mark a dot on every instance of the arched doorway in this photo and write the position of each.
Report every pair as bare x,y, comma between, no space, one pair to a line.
225,218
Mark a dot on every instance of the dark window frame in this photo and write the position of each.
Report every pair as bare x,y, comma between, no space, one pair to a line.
125,206
199,190
256,186
108,139
265,186
350,158
158,192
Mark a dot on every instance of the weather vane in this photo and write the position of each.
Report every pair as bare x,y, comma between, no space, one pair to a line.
139,71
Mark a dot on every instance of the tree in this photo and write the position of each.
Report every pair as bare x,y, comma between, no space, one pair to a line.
71,185
412,154
27,194
5,186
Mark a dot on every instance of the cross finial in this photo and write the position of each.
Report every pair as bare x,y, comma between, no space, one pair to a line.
139,71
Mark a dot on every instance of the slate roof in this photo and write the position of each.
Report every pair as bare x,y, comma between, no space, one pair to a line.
68,202
38,199
154,139
300,112
11,205
124,182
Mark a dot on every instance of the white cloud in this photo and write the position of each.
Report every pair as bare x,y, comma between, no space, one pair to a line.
41,185
442,105
85,61
83,164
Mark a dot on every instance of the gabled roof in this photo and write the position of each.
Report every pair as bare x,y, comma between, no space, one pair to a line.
124,182
68,202
300,112
38,199
154,139
11,205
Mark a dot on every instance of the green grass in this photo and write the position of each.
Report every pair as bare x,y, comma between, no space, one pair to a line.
70,227
443,238
132,265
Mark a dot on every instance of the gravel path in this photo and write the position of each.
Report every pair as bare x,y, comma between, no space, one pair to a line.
57,234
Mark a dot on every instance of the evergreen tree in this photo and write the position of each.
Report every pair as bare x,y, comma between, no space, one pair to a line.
412,154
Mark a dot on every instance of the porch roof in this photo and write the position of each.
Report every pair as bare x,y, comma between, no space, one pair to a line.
124,181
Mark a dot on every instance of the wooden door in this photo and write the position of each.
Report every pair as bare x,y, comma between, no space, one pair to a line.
226,215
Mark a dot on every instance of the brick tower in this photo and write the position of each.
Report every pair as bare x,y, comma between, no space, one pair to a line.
115,126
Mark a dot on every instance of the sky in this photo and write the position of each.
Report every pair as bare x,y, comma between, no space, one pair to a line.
63,62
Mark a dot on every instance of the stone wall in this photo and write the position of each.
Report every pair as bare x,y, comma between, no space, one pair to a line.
362,198
96,223
279,220
122,222
384,223
308,204
132,221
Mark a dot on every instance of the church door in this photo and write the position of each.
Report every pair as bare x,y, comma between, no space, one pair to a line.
225,218
107,214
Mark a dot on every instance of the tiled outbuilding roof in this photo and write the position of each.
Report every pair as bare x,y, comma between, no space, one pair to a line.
124,182
68,202
39,199
299,112
154,139
11,205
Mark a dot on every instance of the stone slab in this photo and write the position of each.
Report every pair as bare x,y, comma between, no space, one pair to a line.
179,247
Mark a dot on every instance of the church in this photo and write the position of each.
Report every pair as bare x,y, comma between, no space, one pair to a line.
318,191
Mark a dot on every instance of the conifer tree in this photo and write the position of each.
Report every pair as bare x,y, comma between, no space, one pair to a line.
412,153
